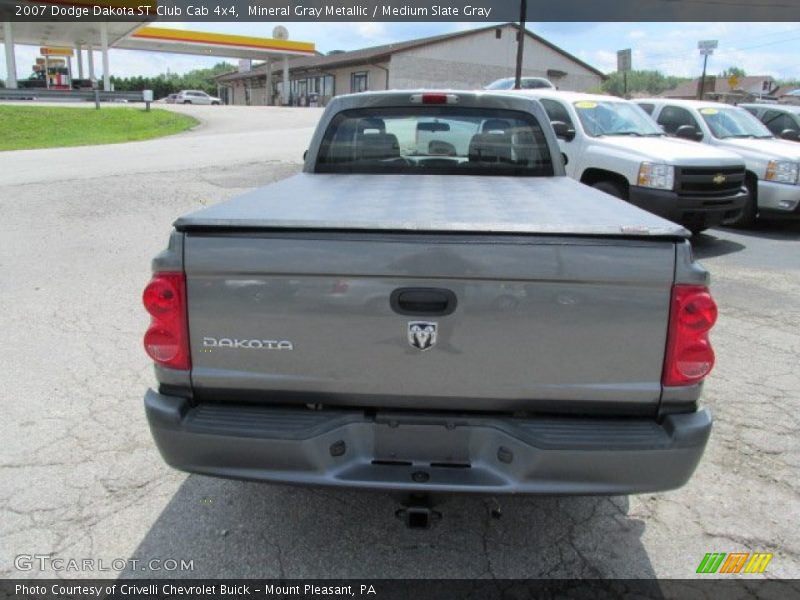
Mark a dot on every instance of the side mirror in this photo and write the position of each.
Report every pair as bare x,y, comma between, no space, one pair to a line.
305,154
689,132
790,134
563,131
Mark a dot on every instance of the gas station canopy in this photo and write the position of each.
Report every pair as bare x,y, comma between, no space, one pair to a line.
69,33
134,34
181,41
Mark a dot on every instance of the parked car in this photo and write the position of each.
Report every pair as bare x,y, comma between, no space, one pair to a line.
171,99
526,83
196,97
612,145
782,120
587,383
773,165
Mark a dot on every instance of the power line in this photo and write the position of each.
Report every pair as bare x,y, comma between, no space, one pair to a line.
746,39
682,62
767,44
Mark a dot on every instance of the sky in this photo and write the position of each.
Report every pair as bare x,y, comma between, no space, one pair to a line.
758,48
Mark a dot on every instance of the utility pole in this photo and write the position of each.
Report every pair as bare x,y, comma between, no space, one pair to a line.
703,77
523,9
623,66
706,48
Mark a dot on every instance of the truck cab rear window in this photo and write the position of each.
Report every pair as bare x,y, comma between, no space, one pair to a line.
440,140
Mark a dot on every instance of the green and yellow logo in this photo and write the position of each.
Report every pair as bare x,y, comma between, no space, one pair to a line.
735,562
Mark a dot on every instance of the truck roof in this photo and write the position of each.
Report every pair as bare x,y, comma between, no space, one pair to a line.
567,96
685,103
430,204
791,108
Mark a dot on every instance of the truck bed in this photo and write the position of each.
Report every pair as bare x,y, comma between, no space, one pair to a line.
433,203
541,286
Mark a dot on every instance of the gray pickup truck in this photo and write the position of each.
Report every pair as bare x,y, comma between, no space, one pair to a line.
431,306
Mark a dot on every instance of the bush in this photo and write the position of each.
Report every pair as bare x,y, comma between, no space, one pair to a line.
171,83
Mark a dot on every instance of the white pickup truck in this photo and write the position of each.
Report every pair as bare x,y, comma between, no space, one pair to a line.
612,145
773,165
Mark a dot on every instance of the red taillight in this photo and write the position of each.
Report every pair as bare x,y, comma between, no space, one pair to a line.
434,98
167,339
689,357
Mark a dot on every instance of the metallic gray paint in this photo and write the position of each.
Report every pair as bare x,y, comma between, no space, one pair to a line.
563,300
586,320
493,455
466,99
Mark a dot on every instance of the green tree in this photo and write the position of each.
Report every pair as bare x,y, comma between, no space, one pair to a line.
733,71
170,83
789,83
650,82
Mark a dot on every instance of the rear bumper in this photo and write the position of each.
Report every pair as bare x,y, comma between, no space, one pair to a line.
428,452
690,211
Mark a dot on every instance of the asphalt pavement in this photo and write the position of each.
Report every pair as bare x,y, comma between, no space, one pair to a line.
81,478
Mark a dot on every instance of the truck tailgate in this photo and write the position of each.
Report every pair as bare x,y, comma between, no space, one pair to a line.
539,321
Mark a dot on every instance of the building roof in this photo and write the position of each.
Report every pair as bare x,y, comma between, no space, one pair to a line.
784,90
689,89
685,103
380,53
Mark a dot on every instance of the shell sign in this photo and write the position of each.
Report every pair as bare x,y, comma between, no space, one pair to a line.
44,51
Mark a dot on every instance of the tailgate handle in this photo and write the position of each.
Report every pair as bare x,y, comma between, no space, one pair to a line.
423,301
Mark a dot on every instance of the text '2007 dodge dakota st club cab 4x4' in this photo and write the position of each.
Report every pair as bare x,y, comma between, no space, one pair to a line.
431,306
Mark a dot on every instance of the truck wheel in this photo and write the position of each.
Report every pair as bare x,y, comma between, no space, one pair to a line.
747,218
187,101
612,188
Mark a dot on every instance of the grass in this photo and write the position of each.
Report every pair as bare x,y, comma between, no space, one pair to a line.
27,127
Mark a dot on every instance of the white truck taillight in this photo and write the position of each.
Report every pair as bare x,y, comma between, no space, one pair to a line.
689,357
167,339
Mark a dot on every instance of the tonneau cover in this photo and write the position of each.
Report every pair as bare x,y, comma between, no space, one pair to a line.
432,203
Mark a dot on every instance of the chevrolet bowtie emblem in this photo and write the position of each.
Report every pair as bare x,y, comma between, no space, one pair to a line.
719,179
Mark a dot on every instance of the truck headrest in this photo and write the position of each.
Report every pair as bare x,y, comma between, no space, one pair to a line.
377,146
490,147
495,125
372,123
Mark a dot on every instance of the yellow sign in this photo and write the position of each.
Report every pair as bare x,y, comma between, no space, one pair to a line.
586,104
55,51
733,81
